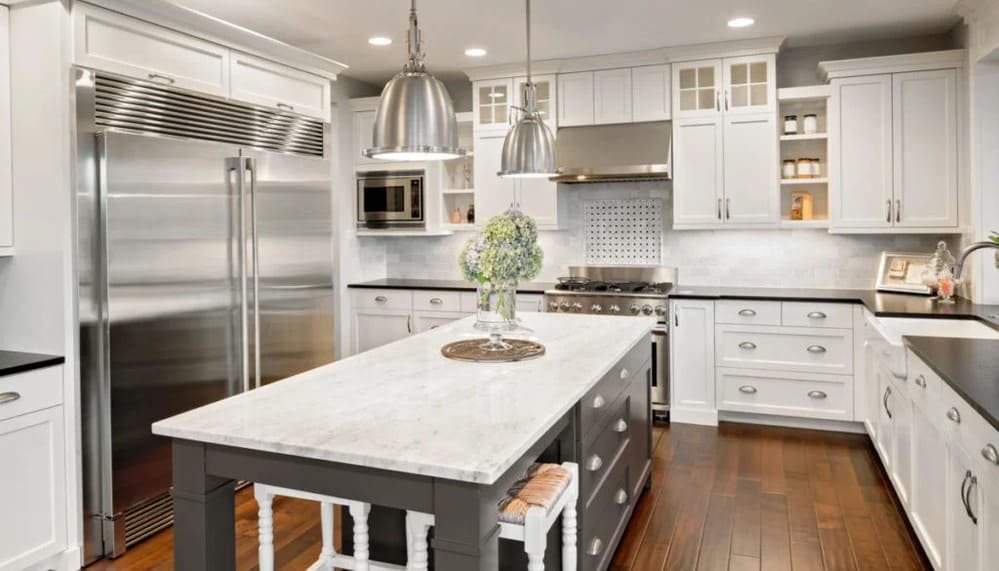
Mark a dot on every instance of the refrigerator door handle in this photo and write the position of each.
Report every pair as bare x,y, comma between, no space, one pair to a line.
102,297
235,165
250,166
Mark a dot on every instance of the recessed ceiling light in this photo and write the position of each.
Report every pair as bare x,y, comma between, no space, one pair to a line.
380,41
475,52
741,22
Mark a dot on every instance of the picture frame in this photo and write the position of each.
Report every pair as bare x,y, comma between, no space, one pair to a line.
901,272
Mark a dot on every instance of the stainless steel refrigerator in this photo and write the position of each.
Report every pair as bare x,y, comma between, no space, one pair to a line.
205,269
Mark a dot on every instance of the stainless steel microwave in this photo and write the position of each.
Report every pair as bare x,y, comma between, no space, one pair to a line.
390,199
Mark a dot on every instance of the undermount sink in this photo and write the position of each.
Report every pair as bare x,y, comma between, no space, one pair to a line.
896,327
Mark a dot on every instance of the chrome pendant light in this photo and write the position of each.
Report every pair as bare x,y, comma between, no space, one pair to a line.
415,118
529,148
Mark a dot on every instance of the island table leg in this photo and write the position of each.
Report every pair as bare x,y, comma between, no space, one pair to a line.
204,513
466,532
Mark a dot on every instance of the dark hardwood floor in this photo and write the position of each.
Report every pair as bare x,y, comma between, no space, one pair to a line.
738,497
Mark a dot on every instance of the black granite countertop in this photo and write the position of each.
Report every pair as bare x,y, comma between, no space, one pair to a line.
12,362
446,285
969,366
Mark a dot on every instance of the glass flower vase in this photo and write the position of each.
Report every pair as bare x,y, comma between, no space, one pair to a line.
496,311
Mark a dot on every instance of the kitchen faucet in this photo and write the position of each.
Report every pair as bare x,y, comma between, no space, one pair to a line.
959,266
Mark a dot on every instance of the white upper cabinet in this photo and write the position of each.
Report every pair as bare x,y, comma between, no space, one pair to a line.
699,156
612,96
750,84
575,99
364,125
493,194
266,83
6,191
924,114
491,101
861,148
697,88
750,167
538,197
544,86
120,44
651,93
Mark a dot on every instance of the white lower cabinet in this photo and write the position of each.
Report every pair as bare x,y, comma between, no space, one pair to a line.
692,361
901,447
883,439
927,504
427,320
376,327
803,395
33,478
963,508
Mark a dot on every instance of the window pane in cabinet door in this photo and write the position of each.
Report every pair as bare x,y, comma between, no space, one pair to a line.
499,113
485,114
688,78
739,75
758,72
706,99
758,94
688,100
705,77
740,96
543,89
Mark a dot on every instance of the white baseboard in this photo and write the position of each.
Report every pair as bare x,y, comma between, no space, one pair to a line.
693,416
793,422
68,560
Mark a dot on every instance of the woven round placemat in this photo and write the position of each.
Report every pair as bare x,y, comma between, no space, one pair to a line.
471,350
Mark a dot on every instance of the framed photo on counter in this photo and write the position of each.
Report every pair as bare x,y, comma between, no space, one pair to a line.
903,272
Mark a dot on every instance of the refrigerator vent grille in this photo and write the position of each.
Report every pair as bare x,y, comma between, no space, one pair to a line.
147,518
144,107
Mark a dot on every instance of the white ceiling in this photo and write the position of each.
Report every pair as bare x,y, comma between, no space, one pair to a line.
339,29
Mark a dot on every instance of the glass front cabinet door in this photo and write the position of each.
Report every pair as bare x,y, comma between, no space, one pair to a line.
696,88
545,87
491,100
749,84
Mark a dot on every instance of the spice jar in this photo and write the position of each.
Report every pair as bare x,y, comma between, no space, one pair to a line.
788,169
804,168
816,168
790,124
811,124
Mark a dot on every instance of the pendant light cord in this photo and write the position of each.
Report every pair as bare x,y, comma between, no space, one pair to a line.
528,11
415,63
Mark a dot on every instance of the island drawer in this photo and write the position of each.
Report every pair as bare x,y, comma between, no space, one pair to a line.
815,314
424,300
810,350
605,519
747,312
595,405
382,299
30,391
601,452
806,395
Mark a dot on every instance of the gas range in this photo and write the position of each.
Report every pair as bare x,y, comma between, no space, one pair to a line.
613,290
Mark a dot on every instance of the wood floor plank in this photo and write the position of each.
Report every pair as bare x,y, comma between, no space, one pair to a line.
837,554
820,472
775,535
772,465
746,528
743,563
751,456
865,543
716,540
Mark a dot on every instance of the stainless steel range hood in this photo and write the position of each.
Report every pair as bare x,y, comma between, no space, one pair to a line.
635,151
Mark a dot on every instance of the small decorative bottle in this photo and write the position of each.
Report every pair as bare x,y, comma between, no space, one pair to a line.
470,217
456,216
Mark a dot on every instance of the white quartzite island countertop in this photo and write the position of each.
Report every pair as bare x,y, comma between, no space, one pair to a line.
404,407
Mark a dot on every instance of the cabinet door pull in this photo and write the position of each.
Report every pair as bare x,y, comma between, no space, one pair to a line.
285,106
676,317
884,401
9,397
621,425
728,201
817,395
595,548
991,454
747,312
409,323
817,315
816,349
436,301
898,210
381,299
717,100
747,389
748,345
621,497
598,402
920,381
888,215
719,209
954,415
158,77
594,463
967,484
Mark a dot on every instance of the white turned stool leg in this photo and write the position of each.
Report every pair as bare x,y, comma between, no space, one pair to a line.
569,531
359,511
417,527
265,517
535,539
328,552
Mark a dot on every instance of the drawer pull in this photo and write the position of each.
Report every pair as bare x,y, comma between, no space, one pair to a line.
621,425
595,548
436,301
598,402
817,394
748,389
748,345
594,463
381,299
954,415
747,313
921,381
621,497
817,349
991,454
162,78
817,315
285,106
9,397
624,374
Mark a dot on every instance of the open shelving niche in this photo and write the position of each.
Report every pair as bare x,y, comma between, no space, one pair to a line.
458,191
800,101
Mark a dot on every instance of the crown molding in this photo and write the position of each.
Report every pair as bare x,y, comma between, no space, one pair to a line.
920,61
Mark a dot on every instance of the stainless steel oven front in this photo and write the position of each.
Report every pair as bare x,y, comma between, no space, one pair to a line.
390,199
660,371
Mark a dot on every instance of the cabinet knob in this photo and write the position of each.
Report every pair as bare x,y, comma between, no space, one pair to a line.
598,402
620,497
747,312
594,463
818,349
817,394
9,397
747,389
381,299
595,548
954,415
817,315
621,425
920,381
748,345
991,454
624,374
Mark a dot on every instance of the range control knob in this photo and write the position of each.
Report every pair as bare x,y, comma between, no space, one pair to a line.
564,306
647,309
634,308
614,308
553,305
660,310
577,306
596,308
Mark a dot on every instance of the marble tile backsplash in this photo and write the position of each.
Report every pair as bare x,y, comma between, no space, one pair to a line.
750,258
